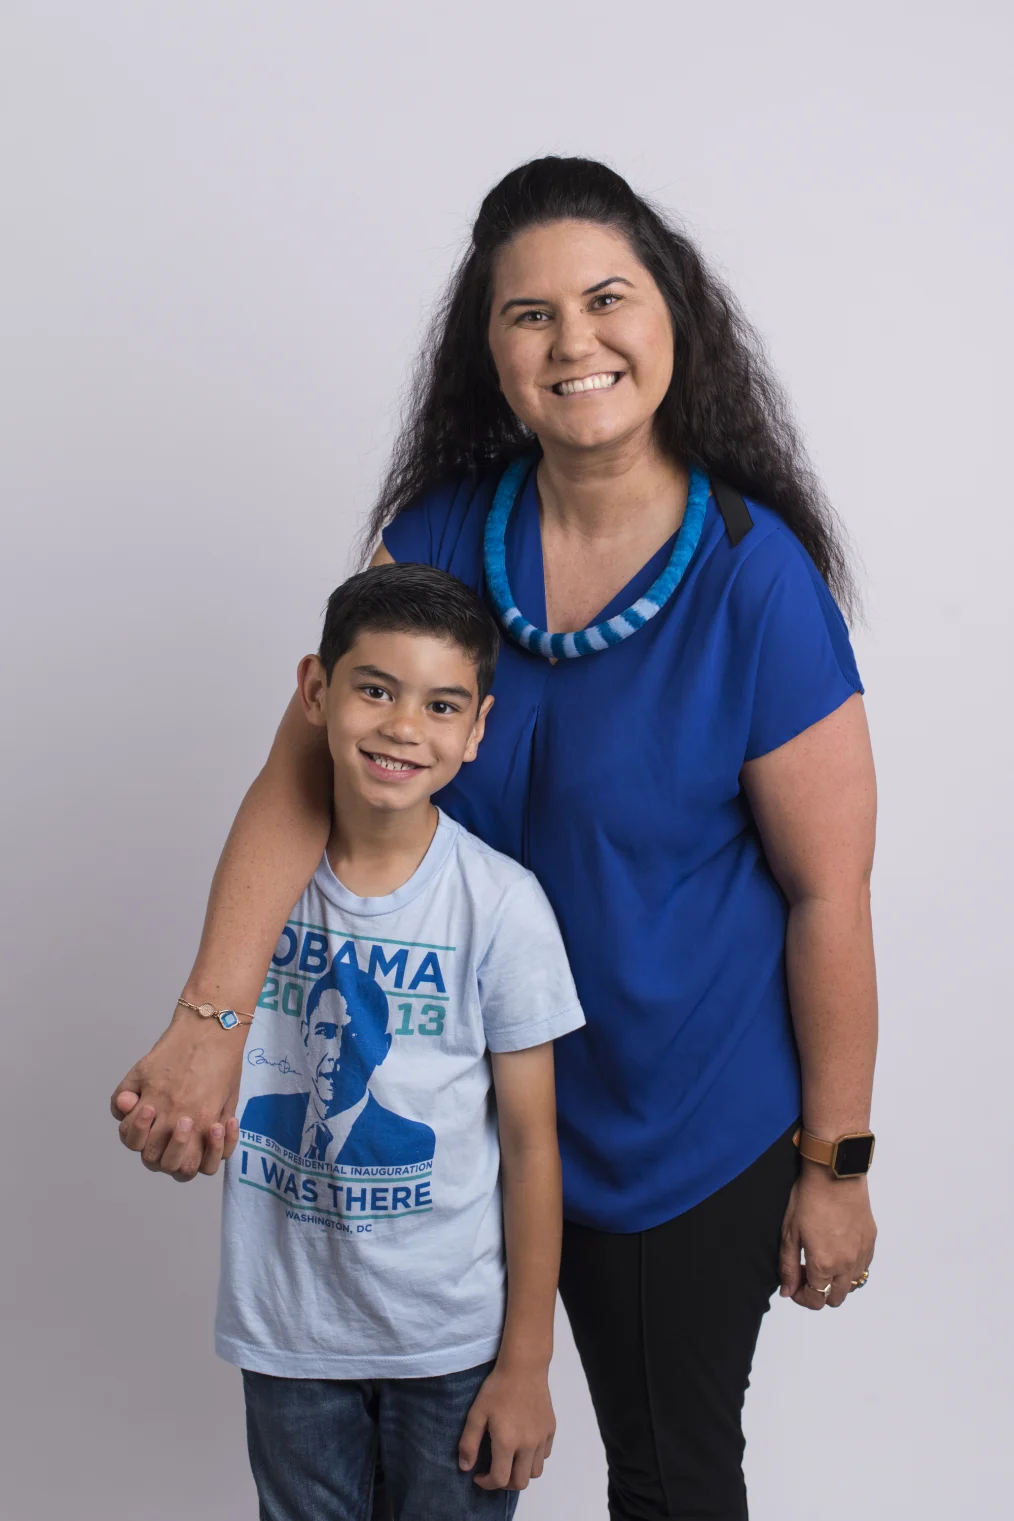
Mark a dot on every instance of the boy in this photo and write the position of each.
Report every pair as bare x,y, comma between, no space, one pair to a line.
366,1291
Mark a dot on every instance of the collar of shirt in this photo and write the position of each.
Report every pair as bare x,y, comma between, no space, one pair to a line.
337,1125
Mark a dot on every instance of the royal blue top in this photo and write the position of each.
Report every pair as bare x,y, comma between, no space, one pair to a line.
616,779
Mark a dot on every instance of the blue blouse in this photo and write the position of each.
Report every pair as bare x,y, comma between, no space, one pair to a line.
616,779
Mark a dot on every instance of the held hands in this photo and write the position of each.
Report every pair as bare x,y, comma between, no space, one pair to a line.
514,1406
177,1105
829,1223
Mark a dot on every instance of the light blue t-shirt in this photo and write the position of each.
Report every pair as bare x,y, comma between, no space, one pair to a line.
361,1232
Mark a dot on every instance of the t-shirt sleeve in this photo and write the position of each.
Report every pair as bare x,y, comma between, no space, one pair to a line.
409,538
443,528
805,667
526,990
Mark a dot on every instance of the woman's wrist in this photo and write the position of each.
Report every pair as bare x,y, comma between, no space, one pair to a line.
827,1120
817,1173
195,1024
227,984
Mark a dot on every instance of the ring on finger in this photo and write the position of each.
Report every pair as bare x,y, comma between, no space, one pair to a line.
825,1291
860,1282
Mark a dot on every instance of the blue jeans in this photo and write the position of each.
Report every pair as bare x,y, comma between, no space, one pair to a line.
314,1445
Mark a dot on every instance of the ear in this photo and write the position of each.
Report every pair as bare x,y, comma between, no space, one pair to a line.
478,729
311,684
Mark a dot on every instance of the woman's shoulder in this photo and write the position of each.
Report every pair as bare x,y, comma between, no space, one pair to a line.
770,560
785,612
443,526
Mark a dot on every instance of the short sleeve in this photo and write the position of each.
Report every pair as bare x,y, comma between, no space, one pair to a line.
526,990
805,667
444,528
408,538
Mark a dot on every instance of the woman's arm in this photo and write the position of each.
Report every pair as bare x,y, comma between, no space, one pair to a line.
177,1105
814,801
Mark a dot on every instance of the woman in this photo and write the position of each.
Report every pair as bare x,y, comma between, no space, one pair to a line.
679,750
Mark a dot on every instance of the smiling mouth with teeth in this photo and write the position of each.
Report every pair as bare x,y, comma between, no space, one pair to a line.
601,382
388,762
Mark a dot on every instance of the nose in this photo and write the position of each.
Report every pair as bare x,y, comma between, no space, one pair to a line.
402,724
575,337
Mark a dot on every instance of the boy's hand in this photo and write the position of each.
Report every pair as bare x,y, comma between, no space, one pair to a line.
177,1105
514,1406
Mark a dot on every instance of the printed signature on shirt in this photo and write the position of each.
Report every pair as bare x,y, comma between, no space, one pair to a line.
256,1058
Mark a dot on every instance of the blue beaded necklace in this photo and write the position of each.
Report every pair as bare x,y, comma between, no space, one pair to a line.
599,636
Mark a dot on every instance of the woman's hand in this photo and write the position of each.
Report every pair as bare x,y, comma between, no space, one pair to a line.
830,1225
177,1105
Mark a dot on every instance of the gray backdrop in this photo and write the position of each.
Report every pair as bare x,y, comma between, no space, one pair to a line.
223,222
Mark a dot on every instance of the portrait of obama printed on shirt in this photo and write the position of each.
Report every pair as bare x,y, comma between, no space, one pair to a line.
339,1120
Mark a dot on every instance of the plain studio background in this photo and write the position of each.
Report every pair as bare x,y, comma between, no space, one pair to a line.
224,222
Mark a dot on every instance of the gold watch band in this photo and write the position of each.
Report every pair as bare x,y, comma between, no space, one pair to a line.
849,1156
813,1148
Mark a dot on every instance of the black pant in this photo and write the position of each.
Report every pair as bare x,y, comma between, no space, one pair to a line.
666,1321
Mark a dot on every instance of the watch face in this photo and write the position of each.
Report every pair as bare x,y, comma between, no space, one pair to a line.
853,1156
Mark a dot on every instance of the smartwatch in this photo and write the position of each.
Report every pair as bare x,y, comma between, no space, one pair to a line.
850,1156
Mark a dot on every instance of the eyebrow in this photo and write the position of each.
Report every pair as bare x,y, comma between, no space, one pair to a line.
378,675
374,670
542,301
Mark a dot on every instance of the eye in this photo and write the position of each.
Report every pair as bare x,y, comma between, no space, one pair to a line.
441,709
606,296
532,318
374,692
326,1032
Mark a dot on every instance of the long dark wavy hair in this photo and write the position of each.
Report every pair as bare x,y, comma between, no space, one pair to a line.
724,410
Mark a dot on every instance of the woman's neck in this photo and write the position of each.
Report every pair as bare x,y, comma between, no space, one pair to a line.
603,515
593,495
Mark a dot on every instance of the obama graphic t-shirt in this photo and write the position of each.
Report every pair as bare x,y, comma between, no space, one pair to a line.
346,1038
362,1232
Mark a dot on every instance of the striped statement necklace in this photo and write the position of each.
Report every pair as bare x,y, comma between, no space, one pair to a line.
599,636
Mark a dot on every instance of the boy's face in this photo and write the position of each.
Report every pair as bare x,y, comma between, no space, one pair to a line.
402,713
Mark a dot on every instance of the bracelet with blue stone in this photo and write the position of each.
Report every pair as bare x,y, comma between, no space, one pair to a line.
227,1018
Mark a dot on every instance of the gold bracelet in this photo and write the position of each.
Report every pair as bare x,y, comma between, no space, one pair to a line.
227,1018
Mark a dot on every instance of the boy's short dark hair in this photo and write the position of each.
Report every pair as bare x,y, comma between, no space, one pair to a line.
410,599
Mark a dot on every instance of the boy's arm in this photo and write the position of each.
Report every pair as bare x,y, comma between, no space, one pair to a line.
514,1403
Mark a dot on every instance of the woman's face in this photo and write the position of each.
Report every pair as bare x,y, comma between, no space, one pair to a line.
580,335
